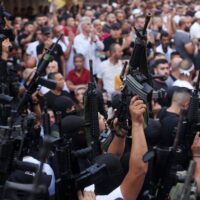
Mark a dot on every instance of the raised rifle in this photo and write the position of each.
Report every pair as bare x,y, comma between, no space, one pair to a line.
91,114
43,63
138,79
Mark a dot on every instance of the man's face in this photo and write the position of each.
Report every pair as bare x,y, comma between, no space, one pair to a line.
78,63
111,19
140,23
86,27
79,95
51,68
118,52
60,81
116,33
51,117
165,41
71,22
163,70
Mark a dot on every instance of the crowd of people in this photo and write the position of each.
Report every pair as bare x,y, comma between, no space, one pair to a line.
105,35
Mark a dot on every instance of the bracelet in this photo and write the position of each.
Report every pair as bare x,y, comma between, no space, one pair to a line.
120,133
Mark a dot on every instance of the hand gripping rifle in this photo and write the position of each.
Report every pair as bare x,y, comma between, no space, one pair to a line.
138,80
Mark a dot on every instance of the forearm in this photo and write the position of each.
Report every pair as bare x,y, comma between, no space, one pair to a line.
117,146
197,173
68,50
134,180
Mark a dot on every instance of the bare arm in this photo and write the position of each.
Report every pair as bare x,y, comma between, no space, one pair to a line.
117,145
100,84
196,157
189,47
134,180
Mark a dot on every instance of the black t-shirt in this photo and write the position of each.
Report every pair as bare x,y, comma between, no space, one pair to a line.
51,98
168,122
109,41
57,53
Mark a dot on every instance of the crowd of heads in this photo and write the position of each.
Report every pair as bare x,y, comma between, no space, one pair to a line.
105,35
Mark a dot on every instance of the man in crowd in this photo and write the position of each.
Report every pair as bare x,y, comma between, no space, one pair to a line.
110,68
79,76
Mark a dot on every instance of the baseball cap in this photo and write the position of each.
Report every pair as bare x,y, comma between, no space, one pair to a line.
115,26
46,30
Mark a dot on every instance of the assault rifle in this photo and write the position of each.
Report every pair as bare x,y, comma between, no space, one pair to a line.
91,114
31,88
138,80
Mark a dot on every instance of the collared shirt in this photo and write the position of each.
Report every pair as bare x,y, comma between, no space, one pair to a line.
159,49
83,45
84,77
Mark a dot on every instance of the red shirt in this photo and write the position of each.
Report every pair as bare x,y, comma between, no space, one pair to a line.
84,78
66,30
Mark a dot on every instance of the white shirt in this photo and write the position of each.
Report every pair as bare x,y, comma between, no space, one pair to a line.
47,169
64,44
107,73
195,31
185,84
32,49
44,89
111,196
83,45
159,49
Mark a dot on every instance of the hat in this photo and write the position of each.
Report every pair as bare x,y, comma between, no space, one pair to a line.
197,15
115,26
46,30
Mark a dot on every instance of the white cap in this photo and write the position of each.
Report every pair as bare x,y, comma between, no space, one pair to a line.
185,84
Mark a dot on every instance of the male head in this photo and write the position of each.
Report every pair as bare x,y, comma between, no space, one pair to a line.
180,98
165,40
79,61
85,25
116,51
182,24
116,31
111,18
79,94
46,33
139,22
70,22
161,67
58,77
58,30
52,67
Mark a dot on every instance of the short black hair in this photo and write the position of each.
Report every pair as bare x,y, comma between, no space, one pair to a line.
164,34
174,53
160,61
79,55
